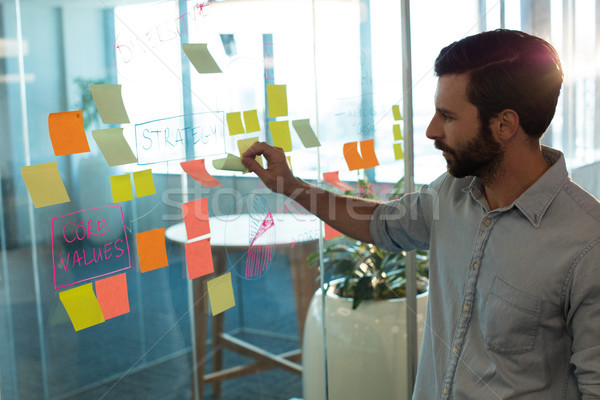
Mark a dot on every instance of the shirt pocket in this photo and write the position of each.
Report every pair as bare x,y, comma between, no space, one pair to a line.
511,319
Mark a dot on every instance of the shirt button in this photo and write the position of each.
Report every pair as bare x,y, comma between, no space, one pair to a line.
455,350
445,390
488,222
466,308
475,265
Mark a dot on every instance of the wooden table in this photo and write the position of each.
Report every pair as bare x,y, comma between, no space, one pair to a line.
295,235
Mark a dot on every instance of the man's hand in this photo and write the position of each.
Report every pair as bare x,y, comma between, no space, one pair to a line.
277,176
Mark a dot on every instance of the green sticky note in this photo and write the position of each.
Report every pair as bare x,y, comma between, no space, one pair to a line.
397,132
220,293
251,121
277,99
396,112
121,188
44,184
201,58
82,306
306,133
398,153
234,122
144,183
109,103
229,163
114,147
280,131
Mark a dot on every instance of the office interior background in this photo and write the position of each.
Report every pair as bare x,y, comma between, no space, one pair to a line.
345,65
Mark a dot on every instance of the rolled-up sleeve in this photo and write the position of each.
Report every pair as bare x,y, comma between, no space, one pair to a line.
405,224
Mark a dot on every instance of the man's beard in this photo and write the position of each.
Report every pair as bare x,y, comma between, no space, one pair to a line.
482,156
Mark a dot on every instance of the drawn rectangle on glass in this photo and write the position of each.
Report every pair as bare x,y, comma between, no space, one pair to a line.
88,244
165,139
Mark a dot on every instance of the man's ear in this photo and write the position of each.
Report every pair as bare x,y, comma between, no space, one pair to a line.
506,124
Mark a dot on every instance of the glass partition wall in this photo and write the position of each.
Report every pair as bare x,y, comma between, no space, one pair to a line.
127,274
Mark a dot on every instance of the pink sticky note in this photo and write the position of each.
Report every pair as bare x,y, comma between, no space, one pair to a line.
197,170
195,217
331,233
112,296
198,257
333,179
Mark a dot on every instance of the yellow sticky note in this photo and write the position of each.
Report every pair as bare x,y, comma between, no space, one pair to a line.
396,112
82,306
280,131
251,121
306,133
44,184
397,132
121,188
144,183
234,122
109,103
114,147
220,293
277,100
243,145
201,58
398,153
229,163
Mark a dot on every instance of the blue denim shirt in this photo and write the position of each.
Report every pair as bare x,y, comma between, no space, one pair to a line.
514,293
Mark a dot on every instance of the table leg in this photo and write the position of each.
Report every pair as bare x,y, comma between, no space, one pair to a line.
304,279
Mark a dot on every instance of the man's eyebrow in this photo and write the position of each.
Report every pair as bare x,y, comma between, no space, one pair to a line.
445,111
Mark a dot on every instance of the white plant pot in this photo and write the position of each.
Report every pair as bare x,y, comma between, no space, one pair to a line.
366,348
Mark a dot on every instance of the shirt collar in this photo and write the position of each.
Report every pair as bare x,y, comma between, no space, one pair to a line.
534,202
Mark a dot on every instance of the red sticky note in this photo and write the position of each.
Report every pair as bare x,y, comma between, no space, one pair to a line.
195,217
333,179
331,233
112,296
67,133
198,257
197,170
152,250
367,158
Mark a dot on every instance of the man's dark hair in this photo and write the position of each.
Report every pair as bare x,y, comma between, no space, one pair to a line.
507,70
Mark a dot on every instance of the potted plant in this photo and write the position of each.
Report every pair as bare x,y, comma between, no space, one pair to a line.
365,318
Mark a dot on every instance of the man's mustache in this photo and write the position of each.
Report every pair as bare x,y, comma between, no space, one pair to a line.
441,146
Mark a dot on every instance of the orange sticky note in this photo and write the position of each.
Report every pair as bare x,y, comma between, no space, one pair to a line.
333,179
112,296
152,250
197,170
331,233
67,133
82,306
355,161
280,131
198,257
121,188
220,293
195,218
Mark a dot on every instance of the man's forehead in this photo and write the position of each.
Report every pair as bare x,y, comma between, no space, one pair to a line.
451,89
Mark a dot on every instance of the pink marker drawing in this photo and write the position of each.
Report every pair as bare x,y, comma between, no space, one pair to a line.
257,255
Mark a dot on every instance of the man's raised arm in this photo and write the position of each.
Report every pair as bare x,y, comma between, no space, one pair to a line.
349,215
